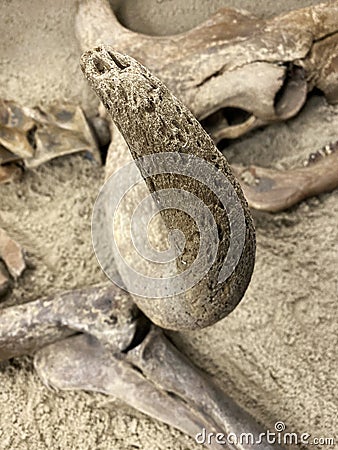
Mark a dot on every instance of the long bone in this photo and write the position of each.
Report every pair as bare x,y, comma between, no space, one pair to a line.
234,71
116,341
77,353
156,379
120,353
275,190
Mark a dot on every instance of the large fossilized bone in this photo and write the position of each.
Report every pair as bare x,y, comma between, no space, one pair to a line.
156,125
234,71
119,352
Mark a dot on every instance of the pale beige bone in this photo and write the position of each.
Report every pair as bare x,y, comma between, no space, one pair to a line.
232,60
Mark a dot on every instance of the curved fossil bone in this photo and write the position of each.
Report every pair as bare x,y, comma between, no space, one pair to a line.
277,61
153,122
36,135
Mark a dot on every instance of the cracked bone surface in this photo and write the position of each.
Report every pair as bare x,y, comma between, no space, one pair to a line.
278,60
119,351
106,310
37,135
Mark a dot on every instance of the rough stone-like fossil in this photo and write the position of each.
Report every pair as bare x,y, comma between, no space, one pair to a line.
265,189
35,135
153,122
235,71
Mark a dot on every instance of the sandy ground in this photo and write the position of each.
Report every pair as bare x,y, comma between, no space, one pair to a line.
276,354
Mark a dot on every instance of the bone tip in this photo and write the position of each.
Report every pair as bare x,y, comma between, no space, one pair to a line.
101,60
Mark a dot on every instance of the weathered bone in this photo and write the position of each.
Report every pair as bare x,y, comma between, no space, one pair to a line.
151,376
104,311
306,38
275,190
242,71
36,135
154,122
12,254
321,65
265,189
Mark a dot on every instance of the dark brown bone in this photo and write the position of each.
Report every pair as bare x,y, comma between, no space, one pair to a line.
204,65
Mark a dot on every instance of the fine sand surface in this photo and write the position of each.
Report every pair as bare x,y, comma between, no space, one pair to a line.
276,354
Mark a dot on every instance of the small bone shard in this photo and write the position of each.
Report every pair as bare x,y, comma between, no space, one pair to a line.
35,135
275,190
9,173
12,254
278,60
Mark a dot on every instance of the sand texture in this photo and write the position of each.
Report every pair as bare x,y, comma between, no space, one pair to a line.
276,354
